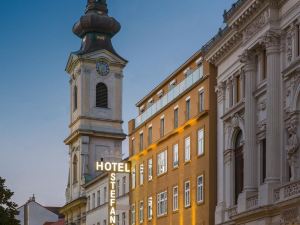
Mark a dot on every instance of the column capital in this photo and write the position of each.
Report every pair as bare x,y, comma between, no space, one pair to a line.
248,58
272,41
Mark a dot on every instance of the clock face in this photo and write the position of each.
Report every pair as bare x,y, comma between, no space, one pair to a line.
102,68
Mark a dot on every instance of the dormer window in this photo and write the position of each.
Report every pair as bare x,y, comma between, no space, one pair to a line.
199,61
150,102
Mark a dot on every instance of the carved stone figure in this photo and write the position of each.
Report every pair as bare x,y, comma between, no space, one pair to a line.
292,150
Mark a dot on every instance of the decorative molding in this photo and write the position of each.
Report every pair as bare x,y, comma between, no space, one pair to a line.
290,216
256,25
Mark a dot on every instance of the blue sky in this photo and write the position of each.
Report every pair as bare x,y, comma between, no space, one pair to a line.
156,37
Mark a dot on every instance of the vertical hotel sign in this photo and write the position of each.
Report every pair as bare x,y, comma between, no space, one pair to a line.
112,168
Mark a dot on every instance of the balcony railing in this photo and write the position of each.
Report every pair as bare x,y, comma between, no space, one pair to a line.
170,96
288,191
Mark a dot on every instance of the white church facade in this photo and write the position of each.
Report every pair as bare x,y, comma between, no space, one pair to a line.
96,134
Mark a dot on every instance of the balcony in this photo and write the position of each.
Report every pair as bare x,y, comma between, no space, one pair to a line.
170,96
288,191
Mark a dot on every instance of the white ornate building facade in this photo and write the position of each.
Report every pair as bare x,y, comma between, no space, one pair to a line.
258,85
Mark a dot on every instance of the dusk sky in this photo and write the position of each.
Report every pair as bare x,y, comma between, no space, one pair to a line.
156,37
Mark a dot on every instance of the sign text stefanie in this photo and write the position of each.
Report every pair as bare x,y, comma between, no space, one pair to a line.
112,168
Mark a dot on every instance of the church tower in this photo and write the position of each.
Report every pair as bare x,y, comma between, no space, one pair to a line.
96,73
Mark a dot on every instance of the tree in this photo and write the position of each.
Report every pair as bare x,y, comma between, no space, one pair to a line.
8,209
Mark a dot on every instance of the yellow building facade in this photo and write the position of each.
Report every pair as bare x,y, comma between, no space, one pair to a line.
172,147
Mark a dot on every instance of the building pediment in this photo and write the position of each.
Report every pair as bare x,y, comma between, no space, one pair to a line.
93,57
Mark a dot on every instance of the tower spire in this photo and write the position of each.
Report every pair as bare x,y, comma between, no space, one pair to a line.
96,28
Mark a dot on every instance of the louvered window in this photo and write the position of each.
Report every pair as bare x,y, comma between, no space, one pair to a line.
75,96
101,96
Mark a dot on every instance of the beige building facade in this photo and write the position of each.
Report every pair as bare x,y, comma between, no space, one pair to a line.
172,149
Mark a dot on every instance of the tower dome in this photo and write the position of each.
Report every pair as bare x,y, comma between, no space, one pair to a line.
96,28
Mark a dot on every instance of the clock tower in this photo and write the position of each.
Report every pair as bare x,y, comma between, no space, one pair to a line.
96,134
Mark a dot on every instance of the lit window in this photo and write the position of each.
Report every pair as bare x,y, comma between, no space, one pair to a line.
132,214
150,169
175,198
201,141
150,208
141,174
162,203
162,162
141,212
187,197
175,156
200,189
133,178
187,149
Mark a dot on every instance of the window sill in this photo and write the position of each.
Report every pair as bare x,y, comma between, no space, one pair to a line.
162,174
187,162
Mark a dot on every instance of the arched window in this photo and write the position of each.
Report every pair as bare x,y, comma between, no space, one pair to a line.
101,96
75,96
75,165
239,165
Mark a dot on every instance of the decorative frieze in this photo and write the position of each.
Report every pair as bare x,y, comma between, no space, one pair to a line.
256,25
290,216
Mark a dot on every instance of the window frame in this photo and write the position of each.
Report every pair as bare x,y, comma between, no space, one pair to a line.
201,152
162,204
187,194
200,189
165,166
150,169
175,156
175,199
187,150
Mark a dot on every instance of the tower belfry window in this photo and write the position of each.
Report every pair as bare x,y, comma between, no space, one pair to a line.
75,98
101,96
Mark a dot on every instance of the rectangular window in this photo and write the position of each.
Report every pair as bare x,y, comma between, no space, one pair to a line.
263,160
141,212
175,198
94,201
162,127
98,198
176,117
175,156
124,218
89,203
187,194
132,214
200,189
104,222
150,208
118,188
133,146
150,169
117,220
105,194
264,75
124,185
141,141
201,101
162,203
187,149
133,178
162,162
201,141
150,135
187,109
141,174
